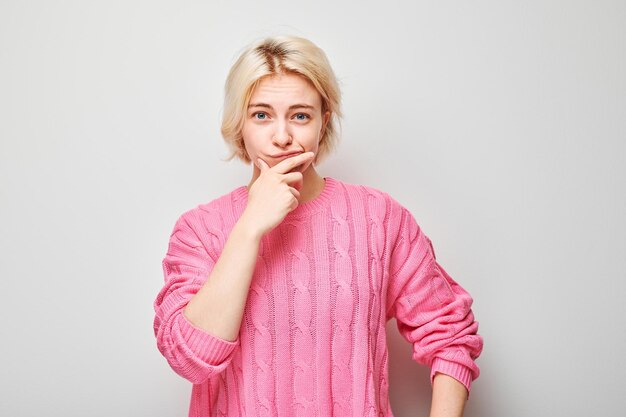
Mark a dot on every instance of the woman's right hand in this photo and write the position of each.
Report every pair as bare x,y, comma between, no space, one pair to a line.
274,193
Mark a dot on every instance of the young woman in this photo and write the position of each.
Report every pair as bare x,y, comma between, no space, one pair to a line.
277,294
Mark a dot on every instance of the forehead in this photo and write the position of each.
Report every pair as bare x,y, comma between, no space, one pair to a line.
286,88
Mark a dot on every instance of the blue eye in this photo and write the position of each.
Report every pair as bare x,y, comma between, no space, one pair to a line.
302,116
260,115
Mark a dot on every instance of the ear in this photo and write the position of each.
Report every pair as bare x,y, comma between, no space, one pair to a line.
326,119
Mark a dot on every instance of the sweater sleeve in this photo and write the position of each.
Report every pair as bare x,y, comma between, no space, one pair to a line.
191,352
432,311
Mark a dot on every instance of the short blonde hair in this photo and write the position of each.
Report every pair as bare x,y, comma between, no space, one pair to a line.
271,56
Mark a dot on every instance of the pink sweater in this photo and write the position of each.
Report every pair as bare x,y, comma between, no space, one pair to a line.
312,341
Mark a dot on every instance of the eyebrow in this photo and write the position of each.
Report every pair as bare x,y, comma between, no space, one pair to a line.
292,107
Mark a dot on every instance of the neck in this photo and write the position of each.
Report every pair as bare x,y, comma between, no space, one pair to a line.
312,183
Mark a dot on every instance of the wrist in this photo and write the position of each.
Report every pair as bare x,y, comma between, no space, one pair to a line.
246,226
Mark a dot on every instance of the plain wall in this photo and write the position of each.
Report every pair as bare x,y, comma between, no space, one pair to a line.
501,125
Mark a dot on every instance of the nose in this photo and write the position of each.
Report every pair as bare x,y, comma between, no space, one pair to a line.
282,136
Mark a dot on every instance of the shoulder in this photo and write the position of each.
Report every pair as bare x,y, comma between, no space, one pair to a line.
389,218
221,204
215,213
366,192
373,196
208,224
377,206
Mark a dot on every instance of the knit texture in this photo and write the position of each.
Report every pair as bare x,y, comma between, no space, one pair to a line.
312,341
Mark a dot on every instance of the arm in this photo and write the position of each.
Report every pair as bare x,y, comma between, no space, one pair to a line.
433,312
449,397
219,305
200,308
191,349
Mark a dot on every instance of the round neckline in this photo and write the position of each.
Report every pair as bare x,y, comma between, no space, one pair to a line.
304,209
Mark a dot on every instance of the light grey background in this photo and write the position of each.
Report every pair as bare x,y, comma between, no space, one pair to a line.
500,124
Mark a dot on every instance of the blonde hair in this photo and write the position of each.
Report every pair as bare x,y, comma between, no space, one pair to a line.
271,56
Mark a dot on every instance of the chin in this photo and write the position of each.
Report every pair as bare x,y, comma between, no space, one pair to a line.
297,168
304,168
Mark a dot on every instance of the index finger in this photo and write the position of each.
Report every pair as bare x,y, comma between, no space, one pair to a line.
262,165
288,164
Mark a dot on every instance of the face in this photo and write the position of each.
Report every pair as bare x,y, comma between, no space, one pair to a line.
284,117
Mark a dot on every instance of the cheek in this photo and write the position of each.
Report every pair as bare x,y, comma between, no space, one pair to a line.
311,134
249,134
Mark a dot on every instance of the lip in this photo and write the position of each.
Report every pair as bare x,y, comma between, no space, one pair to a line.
281,155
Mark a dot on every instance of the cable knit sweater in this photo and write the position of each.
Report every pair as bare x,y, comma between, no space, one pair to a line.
312,341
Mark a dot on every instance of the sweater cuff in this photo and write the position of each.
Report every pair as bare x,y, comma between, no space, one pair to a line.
461,373
210,349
